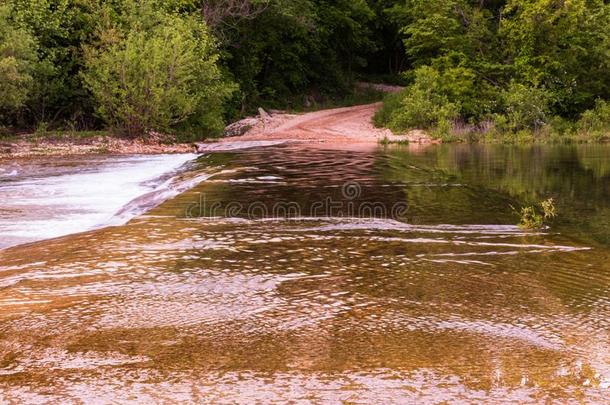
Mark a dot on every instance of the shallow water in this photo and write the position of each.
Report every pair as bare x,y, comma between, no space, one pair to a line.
380,275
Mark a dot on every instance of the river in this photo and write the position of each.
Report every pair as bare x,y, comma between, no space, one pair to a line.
352,274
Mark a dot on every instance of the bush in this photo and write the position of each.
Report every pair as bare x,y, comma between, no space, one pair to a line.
525,107
595,123
437,98
531,217
424,104
391,102
17,60
461,85
161,72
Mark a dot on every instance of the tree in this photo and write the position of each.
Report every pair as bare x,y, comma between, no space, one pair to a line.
426,103
217,13
60,28
519,61
562,45
155,70
388,56
294,47
17,61
525,107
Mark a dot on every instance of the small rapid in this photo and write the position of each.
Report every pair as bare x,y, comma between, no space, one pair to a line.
46,198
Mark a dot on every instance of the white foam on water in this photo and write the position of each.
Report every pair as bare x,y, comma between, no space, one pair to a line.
37,208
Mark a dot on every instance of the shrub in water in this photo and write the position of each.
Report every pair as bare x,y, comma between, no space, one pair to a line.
533,218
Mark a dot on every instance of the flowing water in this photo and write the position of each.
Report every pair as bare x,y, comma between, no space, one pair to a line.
304,274
49,197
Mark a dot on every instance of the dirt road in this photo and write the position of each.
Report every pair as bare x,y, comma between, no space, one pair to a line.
348,124
338,126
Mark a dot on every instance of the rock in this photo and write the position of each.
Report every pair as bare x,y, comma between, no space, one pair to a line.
235,145
263,114
240,127
418,136
384,88
306,102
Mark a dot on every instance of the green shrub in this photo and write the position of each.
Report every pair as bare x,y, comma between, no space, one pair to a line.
461,86
159,73
424,104
444,131
438,96
418,110
525,107
391,102
561,126
595,123
531,217
61,28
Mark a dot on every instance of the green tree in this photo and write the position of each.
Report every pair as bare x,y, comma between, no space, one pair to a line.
61,28
595,123
521,61
155,70
17,61
562,45
525,107
388,55
289,48
456,38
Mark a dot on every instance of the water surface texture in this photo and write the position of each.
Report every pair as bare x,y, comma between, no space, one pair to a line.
379,275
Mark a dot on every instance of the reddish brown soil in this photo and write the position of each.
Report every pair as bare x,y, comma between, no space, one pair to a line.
349,124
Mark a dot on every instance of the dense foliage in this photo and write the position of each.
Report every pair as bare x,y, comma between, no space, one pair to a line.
486,66
503,66
173,66
155,70
297,48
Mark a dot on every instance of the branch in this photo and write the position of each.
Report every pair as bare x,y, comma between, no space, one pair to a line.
219,12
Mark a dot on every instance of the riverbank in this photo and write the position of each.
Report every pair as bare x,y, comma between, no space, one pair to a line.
336,125
87,143
403,110
346,125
